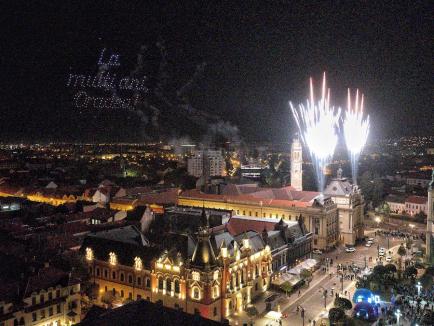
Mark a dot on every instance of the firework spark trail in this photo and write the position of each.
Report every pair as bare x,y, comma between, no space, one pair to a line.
356,131
318,123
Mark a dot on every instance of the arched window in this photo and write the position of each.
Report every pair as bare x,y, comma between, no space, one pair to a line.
196,293
130,279
176,286
168,285
139,281
148,282
114,275
122,277
160,283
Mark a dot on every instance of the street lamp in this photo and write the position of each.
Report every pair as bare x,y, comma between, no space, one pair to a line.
398,314
418,286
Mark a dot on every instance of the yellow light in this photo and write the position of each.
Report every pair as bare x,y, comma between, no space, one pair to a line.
89,254
138,265
112,258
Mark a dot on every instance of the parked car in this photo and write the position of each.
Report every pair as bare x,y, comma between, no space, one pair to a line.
368,244
317,252
371,239
388,259
350,249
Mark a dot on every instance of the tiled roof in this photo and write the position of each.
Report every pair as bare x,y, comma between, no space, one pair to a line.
143,312
417,200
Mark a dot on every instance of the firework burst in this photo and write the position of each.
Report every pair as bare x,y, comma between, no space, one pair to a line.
356,130
318,122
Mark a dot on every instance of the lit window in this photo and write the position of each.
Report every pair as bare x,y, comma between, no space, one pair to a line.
216,275
195,276
196,293
138,265
89,254
112,258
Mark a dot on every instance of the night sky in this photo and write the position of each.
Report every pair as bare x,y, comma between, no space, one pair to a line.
257,59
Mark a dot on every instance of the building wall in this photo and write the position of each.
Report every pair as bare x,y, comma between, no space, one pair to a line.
322,222
412,208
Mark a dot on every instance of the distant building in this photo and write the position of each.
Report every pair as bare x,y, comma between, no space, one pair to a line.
297,165
430,223
350,204
209,163
415,205
251,171
421,180
396,204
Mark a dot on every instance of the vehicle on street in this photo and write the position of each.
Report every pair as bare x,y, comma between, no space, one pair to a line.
350,249
388,259
317,252
381,253
368,244
371,240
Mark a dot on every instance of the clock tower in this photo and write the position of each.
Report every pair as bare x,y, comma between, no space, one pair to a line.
297,164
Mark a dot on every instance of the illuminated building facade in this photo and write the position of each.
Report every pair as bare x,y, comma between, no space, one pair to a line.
50,297
208,273
297,164
319,212
210,163
350,203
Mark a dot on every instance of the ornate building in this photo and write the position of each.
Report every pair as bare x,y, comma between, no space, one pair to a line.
297,164
350,204
319,212
211,274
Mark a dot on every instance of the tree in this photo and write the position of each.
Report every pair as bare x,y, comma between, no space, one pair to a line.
287,287
343,303
336,315
305,274
410,272
390,268
401,253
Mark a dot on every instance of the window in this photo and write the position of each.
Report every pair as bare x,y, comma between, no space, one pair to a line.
112,258
34,317
42,313
97,271
256,214
148,282
58,310
50,311
139,297
168,285
130,296
195,276
50,296
139,281
105,273
122,276
42,298
256,287
105,288
90,270
130,279
138,265
196,311
196,293
122,293
33,301
176,286
114,275
160,283
215,311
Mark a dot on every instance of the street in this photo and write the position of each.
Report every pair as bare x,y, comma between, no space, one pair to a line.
312,298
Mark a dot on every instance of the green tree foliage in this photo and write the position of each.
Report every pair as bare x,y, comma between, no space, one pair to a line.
336,315
305,274
390,268
410,272
343,303
401,251
287,287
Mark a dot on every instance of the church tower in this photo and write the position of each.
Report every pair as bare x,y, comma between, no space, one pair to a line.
430,223
296,164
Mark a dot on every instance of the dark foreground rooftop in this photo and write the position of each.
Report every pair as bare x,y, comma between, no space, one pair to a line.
143,312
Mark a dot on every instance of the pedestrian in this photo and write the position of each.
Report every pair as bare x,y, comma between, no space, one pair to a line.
299,292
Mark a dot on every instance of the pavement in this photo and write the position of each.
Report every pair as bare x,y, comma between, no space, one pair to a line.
311,298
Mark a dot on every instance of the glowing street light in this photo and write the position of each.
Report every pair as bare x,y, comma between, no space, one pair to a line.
398,314
418,286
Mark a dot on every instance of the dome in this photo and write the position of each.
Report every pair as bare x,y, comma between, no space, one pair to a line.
363,295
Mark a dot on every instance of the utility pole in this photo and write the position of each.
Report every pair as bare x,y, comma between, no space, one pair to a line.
325,298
